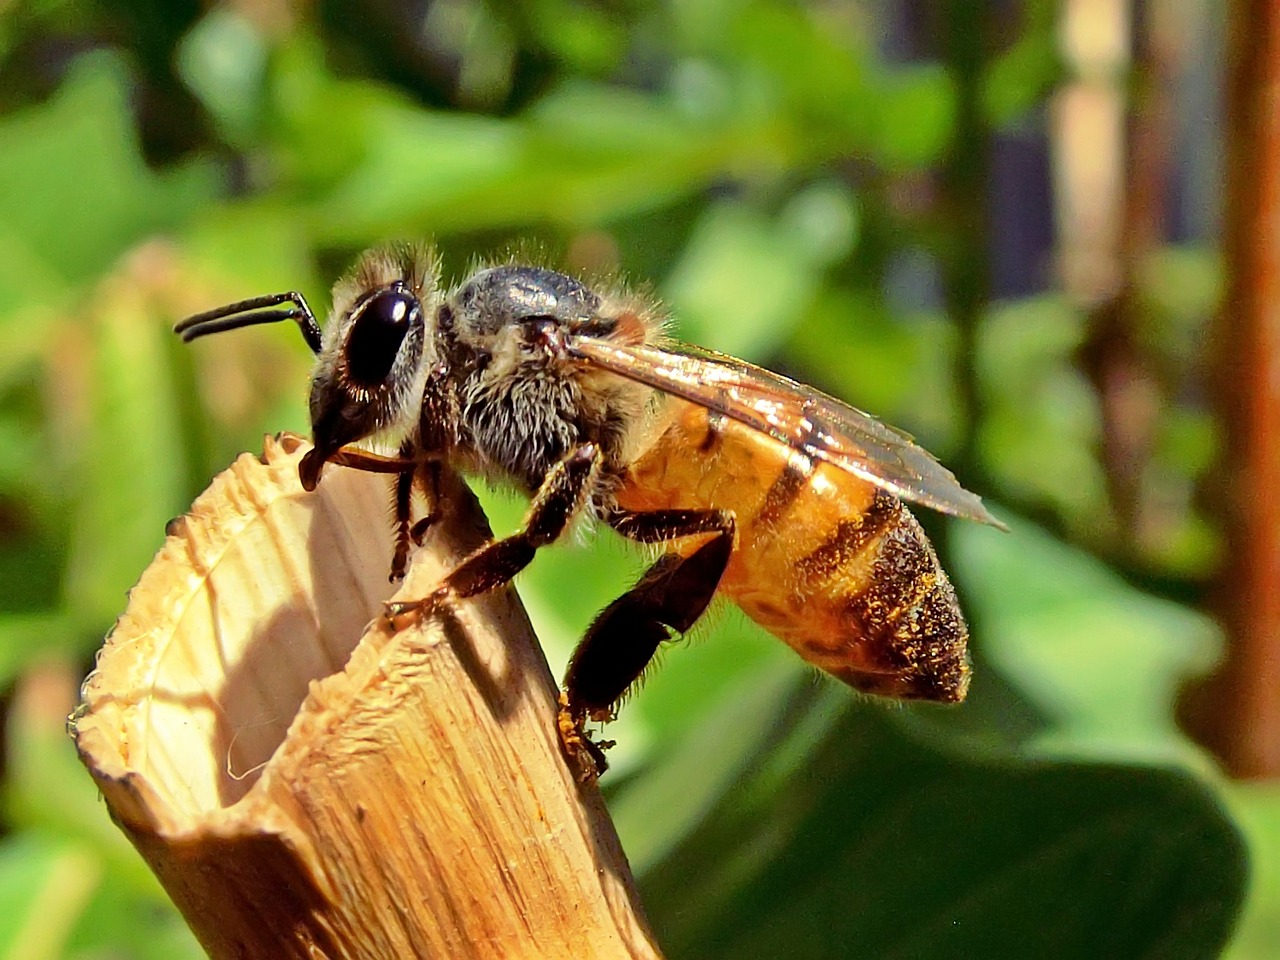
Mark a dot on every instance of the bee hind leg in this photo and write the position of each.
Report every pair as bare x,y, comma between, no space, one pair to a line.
557,502
665,602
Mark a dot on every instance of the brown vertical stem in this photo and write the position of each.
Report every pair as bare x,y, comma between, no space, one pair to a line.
1238,713
1113,356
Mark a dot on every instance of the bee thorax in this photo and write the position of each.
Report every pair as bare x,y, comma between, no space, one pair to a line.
517,427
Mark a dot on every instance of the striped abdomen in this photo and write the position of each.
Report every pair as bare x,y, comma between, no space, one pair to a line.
825,561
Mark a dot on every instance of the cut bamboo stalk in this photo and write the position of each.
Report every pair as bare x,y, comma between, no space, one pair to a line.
302,795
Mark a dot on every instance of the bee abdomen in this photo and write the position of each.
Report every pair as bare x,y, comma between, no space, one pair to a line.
838,569
910,620
871,605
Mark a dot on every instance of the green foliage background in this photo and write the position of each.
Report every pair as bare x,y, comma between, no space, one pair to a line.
749,160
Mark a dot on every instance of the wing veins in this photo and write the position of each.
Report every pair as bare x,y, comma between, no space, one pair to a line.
796,416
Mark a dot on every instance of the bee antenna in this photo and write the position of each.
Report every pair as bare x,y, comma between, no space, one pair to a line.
247,313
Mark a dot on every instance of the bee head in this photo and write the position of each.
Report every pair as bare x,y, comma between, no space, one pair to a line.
371,369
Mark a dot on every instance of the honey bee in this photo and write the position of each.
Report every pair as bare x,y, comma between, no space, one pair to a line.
782,499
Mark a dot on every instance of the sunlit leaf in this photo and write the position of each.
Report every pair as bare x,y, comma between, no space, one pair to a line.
73,184
1097,656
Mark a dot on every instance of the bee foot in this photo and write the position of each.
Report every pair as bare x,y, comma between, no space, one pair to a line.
585,755
401,614
399,563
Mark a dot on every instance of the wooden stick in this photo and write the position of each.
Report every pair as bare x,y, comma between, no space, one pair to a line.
1236,712
300,795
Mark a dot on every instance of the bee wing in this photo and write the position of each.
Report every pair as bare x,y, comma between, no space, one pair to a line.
803,418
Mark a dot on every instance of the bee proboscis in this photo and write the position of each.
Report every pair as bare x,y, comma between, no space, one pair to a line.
779,497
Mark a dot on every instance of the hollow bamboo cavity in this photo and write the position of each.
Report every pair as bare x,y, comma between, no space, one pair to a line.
300,794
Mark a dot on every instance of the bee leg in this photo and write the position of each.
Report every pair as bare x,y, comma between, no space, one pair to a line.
431,488
313,462
407,532
357,459
557,502
402,499
586,754
667,600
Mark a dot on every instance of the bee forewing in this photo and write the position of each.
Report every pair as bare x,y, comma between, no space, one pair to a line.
803,418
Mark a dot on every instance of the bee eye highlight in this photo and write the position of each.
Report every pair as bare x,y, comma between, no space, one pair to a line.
376,335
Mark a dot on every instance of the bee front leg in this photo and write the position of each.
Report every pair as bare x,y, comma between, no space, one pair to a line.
562,494
357,459
666,601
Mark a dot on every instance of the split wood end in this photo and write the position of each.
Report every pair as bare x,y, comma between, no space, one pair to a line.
306,782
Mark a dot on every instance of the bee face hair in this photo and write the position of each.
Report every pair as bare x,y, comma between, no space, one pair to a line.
378,344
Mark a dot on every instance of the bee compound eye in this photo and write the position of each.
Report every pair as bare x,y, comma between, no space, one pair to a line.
376,335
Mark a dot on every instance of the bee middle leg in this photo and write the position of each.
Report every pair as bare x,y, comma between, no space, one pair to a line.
402,500
407,532
665,602
557,502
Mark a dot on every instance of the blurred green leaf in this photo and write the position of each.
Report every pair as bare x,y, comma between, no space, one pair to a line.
29,285
812,62
581,156
822,220
58,901
72,183
48,791
224,60
1180,287
26,637
898,370
133,477
316,128
44,885
589,39
1257,808
117,920
1019,78
1100,659
872,844
1042,419
480,39
916,109
741,286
